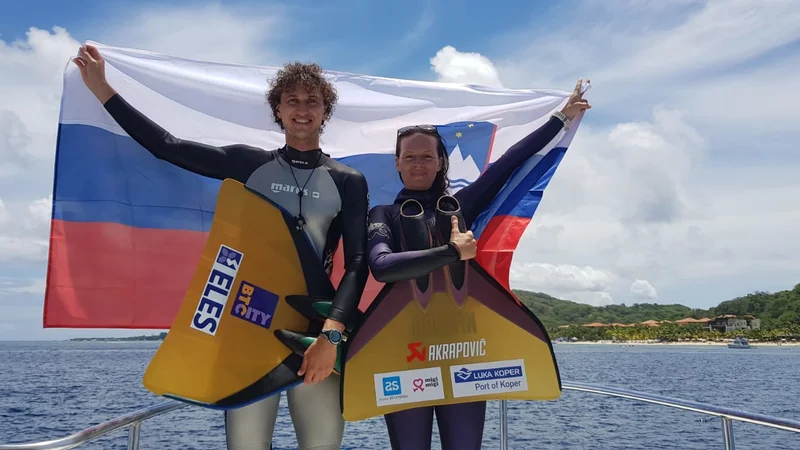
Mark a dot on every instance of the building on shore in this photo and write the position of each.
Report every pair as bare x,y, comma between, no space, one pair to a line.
724,323
730,322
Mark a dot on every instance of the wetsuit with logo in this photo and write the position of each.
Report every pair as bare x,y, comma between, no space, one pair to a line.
334,204
460,425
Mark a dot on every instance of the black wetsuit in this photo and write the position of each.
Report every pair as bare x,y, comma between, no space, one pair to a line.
335,204
460,425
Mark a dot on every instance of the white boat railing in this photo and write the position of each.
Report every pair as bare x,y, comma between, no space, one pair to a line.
134,419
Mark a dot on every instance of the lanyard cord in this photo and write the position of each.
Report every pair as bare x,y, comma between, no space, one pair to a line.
299,219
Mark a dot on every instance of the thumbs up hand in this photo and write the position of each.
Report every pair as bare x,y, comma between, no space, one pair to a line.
465,242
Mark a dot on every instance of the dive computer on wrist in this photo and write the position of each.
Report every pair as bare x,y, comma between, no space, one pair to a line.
334,336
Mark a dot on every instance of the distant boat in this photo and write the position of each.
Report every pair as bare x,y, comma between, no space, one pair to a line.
739,342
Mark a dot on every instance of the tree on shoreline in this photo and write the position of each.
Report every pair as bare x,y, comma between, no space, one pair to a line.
669,332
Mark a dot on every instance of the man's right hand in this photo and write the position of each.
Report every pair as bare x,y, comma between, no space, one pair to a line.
465,242
93,72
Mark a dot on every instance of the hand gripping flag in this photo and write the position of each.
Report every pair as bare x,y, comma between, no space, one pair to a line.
128,229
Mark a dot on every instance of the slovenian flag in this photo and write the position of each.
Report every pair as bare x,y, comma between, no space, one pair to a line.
128,229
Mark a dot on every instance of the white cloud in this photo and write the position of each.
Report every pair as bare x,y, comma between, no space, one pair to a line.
638,199
30,86
212,32
758,102
38,215
11,286
691,183
452,66
31,71
401,47
717,35
646,42
587,283
643,289
30,89
652,194
24,228
729,66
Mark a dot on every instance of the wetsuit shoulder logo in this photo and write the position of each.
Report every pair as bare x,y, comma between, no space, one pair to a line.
328,261
217,289
280,187
377,229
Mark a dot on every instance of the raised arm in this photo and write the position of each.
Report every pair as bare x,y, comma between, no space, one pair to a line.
477,196
355,205
234,161
388,266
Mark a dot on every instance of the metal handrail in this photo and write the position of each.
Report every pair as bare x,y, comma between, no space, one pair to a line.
134,419
704,408
131,420
726,415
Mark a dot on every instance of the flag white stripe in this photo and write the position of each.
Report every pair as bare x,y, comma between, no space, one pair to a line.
222,104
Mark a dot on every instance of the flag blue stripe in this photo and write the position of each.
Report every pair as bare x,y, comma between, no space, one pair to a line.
522,193
106,177
381,173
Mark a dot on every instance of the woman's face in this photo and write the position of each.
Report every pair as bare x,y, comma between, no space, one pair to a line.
418,162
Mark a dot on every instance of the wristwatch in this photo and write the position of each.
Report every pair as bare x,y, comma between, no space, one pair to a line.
334,336
562,117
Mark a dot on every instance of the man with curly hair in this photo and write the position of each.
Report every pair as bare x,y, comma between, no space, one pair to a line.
328,199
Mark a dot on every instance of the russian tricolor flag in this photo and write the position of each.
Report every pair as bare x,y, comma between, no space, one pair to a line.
128,229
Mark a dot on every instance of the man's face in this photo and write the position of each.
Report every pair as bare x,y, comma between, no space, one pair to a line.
301,112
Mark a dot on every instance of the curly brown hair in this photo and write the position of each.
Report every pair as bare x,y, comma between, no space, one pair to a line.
307,75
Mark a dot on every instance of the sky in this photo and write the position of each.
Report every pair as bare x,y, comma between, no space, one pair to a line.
681,185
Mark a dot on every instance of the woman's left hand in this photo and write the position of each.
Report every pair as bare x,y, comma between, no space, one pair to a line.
576,103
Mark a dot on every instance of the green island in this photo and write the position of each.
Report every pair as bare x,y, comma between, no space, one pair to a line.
152,337
758,316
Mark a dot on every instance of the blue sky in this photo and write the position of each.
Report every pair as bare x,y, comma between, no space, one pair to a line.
680,187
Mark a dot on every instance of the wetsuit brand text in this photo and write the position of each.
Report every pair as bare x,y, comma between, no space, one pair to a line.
255,305
485,378
440,352
217,289
280,187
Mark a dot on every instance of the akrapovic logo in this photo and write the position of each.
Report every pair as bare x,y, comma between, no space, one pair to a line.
440,352
280,187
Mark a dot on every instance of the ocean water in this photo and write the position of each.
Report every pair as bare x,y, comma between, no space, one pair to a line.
51,389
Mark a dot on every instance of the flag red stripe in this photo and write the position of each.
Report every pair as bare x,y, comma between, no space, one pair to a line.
497,244
108,275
